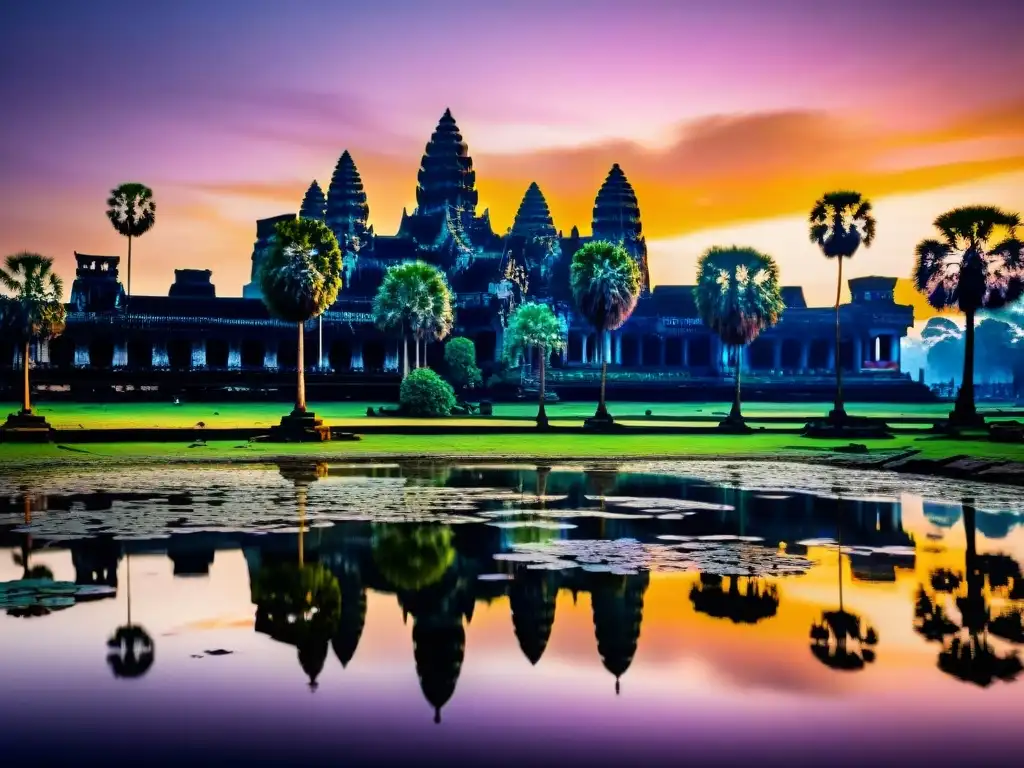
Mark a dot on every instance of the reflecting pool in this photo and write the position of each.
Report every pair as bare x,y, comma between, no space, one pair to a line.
652,613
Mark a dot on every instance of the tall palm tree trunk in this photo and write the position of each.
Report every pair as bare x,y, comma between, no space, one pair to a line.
27,397
129,266
602,408
734,414
405,354
965,410
300,394
542,416
839,411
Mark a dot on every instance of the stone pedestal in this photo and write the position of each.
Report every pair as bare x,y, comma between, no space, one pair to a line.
25,428
840,425
734,424
300,427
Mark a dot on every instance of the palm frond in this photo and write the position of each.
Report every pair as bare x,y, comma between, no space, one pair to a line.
131,209
738,294
606,284
35,309
302,273
533,325
841,222
962,269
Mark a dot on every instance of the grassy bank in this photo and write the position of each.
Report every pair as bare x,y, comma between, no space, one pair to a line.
352,414
576,446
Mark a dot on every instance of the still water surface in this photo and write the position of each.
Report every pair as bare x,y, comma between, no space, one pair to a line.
641,614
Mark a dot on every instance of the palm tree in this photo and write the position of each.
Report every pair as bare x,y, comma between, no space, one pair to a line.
976,264
35,310
300,279
840,222
531,326
606,284
414,297
738,295
132,212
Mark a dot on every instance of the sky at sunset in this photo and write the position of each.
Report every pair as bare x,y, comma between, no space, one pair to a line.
728,117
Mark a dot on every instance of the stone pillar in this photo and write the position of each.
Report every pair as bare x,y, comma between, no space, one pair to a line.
565,354
499,344
776,354
662,351
583,349
618,349
805,355
42,350
159,358
686,351
858,353
830,364
270,356
120,355
16,358
356,364
896,354
606,348
392,362
234,356
198,355
82,355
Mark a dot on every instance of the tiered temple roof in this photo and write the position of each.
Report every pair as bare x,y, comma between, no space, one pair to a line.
533,219
617,218
347,211
314,204
446,177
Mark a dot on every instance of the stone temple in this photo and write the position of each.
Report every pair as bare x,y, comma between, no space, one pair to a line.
663,351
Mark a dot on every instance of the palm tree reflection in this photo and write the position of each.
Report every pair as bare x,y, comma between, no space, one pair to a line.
841,639
967,652
130,650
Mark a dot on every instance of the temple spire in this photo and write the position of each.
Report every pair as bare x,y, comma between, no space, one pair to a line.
533,219
314,204
617,218
446,178
347,211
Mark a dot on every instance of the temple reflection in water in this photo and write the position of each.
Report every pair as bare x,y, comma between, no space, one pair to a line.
310,586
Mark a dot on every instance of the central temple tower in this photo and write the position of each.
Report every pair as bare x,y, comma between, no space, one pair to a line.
446,178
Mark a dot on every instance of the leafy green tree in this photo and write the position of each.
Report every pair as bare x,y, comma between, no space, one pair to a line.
34,311
606,284
300,279
414,298
534,326
424,393
412,557
738,295
460,359
132,212
976,264
840,222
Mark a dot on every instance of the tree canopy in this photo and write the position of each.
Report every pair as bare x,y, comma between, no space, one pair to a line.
414,296
301,275
131,209
606,284
533,325
976,263
34,308
412,557
738,293
460,359
840,222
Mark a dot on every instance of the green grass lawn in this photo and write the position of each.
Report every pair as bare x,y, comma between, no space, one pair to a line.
572,446
343,414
